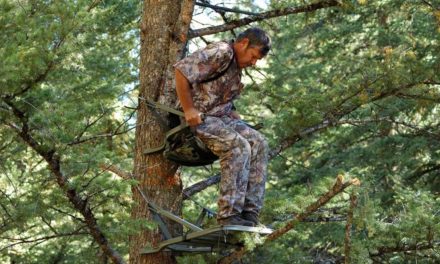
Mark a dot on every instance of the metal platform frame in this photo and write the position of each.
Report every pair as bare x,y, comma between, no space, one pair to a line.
196,239
207,240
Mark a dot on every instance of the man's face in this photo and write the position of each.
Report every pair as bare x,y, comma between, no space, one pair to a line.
247,56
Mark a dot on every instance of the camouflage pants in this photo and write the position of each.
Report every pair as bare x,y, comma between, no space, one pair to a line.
243,160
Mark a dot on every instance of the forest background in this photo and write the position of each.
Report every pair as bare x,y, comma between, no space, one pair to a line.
350,89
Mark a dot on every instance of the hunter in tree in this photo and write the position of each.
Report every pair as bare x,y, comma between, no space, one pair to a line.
207,82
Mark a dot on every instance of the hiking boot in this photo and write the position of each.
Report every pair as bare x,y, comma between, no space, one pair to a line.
234,220
251,217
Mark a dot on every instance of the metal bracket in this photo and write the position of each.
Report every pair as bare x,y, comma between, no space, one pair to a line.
162,226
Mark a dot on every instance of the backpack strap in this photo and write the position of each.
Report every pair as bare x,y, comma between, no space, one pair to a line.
152,104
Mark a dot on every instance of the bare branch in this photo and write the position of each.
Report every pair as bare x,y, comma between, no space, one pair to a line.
41,239
337,188
67,213
262,16
225,9
348,226
116,132
201,185
116,170
405,248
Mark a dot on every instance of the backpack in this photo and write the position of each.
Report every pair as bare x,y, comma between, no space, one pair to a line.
184,148
180,144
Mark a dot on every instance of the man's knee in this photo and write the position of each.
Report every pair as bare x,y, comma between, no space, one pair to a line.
242,145
261,140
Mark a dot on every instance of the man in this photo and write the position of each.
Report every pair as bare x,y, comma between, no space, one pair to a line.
207,82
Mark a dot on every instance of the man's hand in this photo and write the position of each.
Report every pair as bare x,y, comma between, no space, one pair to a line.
193,117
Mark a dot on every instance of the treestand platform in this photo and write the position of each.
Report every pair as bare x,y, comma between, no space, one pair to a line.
195,239
207,240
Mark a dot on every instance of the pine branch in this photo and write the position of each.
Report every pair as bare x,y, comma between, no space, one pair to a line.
331,119
313,219
337,188
54,164
50,65
405,248
262,16
421,171
40,239
94,4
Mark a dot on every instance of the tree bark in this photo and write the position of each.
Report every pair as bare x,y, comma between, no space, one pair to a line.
163,31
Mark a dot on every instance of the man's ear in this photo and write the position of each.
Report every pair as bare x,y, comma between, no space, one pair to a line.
244,43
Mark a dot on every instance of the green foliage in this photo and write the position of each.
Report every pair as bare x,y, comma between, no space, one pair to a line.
371,68
368,67
70,66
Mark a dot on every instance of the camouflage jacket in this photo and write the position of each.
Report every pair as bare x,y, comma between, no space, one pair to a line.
214,77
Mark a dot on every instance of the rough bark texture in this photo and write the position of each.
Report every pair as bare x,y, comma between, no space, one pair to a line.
163,35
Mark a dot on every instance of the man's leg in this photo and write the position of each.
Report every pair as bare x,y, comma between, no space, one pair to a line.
234,152
258,165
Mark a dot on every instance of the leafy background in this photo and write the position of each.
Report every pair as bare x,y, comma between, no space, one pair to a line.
368,68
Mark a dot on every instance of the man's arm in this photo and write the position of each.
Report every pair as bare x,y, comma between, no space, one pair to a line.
192,115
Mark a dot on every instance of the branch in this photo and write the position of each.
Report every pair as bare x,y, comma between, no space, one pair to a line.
262,16
78,139
348,226
404,248
225,9
94,4
337,188
42,76
39,78
116,170
200,186
314,219
54,164
67,213
332,120
41,239
422,170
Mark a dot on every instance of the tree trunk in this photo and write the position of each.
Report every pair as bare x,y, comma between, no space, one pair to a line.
164,27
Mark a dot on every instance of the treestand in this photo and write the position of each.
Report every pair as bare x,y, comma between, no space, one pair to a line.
196,239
